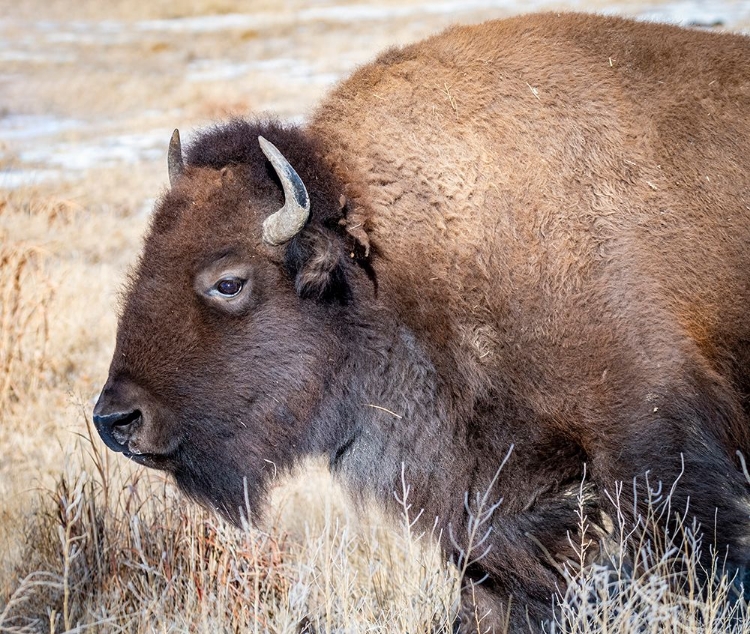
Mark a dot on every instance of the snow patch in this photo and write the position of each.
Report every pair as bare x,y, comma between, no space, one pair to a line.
108,151
19,126
699,13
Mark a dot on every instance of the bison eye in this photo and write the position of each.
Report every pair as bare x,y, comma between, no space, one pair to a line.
229,287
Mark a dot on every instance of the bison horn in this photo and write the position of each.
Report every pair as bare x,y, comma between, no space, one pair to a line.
175,164
287,222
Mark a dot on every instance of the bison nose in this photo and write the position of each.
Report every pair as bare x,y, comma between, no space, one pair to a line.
116,428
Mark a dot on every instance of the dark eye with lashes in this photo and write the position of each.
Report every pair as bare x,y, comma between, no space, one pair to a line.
229,287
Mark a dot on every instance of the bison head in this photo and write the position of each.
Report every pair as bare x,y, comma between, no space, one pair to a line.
232,320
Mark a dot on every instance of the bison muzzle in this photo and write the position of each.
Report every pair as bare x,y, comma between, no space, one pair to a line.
524,241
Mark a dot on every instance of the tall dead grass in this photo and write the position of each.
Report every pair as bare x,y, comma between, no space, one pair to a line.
24,325
53,261
115,549
655,584
111,549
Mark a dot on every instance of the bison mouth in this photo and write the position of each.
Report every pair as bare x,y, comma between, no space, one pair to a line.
162,462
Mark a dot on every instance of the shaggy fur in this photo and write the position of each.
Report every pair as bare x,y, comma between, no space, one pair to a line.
528,234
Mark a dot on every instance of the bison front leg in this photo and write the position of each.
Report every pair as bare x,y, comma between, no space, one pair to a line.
481,611
510,583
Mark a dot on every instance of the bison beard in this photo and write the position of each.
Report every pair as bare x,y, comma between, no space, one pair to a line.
528,234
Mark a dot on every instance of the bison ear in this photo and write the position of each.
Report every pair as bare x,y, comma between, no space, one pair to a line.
316,261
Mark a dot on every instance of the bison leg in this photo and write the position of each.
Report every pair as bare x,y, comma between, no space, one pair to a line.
674,457
510,587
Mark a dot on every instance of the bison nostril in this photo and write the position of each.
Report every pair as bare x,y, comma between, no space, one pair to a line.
116,428
118,419
127,419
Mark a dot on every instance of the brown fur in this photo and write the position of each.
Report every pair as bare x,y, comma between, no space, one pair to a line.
543,243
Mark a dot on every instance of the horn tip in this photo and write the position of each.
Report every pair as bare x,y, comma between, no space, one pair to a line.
265,145
175,162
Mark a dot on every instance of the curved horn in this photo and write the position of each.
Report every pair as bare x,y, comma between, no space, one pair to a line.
287,222
175,164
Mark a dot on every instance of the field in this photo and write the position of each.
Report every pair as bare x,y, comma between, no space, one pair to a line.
89,95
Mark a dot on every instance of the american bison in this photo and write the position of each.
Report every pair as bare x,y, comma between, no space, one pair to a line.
523,241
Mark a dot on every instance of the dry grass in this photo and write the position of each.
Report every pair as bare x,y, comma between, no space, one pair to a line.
645,586
51,338
24,328
116,549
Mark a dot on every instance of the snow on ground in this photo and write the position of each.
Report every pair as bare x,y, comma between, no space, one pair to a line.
729,14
